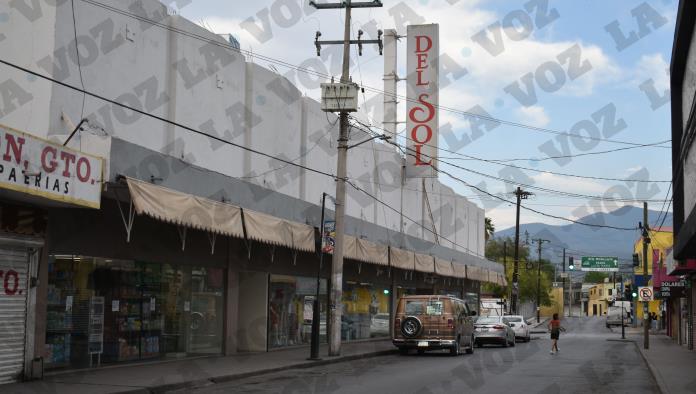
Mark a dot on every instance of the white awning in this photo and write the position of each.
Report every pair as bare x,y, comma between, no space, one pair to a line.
185,210
403,259
371,252
276,231
476,273
425,263
459,270
443,267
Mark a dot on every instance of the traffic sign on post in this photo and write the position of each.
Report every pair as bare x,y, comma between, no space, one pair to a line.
645,294
601,264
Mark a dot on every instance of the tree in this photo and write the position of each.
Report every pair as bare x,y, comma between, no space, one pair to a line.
527,277
595,277
490,228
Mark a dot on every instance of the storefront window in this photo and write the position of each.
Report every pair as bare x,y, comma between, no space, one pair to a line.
291,308
104,311
365,311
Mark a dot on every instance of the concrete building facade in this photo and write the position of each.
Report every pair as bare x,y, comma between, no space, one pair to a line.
181,114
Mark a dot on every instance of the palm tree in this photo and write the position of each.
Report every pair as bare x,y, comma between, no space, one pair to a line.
490,228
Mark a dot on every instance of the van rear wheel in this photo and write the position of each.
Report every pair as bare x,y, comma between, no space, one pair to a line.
470,349
456,349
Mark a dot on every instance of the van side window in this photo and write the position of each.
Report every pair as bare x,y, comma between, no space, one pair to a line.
414,308
435,308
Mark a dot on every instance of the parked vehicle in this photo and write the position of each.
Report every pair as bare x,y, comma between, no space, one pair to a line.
433,322
520,327
614,316
495,330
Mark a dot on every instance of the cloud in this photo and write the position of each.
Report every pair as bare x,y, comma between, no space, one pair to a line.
652,67
534,115
571,185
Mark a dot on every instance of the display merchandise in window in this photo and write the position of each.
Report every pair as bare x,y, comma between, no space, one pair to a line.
104,311
291,308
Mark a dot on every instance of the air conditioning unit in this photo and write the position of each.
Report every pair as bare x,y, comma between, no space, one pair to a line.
339,97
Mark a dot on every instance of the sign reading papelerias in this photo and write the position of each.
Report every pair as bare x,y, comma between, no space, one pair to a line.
31,165
422,92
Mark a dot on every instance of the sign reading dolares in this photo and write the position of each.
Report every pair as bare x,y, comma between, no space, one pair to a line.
31,165
422,92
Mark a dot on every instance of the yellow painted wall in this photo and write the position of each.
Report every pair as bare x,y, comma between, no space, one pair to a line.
557,303
659,240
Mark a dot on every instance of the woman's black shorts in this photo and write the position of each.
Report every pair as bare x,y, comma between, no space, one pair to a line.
554,334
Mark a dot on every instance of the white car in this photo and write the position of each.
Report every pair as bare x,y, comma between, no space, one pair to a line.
520,327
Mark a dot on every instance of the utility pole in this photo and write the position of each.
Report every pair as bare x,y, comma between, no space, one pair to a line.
316,313
540,242
336,293
521,195
505,269
570,295
564,288
646,242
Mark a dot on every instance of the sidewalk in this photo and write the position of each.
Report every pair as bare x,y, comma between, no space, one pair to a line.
671,364
163,376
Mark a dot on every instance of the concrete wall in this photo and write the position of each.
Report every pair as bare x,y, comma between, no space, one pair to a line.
253,312
203,84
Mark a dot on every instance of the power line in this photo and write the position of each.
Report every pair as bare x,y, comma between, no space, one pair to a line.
77,50
527,208
558,192
534,159
375,90
526,168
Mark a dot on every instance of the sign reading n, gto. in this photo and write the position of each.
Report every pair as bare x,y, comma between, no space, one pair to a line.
602,264
422,92
37,167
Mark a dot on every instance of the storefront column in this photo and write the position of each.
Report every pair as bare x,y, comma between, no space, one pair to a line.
231,311
41,306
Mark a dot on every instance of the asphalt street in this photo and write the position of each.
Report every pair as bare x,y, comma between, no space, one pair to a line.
587,362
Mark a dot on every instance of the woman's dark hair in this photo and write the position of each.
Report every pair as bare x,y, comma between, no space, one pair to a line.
555,316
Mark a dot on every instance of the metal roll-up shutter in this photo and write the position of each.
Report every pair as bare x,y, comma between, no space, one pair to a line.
14,264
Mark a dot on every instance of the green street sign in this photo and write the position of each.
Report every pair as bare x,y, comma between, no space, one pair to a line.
600,264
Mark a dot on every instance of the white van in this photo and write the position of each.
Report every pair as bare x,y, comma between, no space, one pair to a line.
615,312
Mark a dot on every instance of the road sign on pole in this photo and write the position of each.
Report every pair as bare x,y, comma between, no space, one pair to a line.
600,264
645,293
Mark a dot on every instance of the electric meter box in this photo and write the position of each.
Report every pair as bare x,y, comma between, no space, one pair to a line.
339,97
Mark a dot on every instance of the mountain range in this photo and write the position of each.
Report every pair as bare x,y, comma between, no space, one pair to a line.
581,240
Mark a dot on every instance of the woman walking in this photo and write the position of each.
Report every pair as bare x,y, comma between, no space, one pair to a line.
555,328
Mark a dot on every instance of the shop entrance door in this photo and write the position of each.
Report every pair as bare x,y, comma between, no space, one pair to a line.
176,294
14,267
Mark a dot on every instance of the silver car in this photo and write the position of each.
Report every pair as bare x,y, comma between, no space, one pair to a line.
493,330
520,327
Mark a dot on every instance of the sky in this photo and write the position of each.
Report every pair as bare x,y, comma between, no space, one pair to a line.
598,68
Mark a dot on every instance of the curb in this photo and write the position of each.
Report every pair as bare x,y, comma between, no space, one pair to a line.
653,371
232,377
